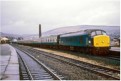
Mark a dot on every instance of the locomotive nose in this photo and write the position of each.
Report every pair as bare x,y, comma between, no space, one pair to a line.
101,41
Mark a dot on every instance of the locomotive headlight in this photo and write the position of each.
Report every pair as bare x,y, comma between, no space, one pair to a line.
89,41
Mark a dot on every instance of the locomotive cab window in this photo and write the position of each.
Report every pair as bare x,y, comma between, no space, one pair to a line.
104,33
98,32
93,33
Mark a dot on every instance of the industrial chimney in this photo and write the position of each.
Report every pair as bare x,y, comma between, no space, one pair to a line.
39,30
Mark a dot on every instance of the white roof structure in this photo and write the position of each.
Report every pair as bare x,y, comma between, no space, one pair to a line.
4,38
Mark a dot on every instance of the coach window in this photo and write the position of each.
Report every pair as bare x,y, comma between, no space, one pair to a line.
54,40
48,40
93,34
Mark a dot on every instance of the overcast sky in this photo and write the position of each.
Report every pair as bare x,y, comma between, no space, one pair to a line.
23,17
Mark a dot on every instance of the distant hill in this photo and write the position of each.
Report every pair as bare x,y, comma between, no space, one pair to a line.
9,35
113,31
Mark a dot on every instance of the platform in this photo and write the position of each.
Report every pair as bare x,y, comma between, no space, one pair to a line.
115,49
8,63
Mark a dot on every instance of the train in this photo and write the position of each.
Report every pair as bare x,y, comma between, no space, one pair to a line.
89,41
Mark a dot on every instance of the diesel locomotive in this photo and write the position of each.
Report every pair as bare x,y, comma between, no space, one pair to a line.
90,41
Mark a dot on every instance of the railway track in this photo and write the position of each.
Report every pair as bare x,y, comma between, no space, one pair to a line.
107,72
32,69
102,71
24,71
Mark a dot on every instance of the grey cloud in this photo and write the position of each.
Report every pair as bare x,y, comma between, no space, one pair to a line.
23,17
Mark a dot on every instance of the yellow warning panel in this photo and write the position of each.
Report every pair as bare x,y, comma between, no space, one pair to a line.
101,41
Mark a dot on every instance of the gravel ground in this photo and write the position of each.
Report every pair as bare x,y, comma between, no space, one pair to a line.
86,58
69,72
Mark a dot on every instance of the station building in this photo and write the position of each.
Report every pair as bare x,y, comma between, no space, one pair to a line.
4,40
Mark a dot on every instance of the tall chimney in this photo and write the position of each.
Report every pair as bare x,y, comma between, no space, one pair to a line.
40,30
